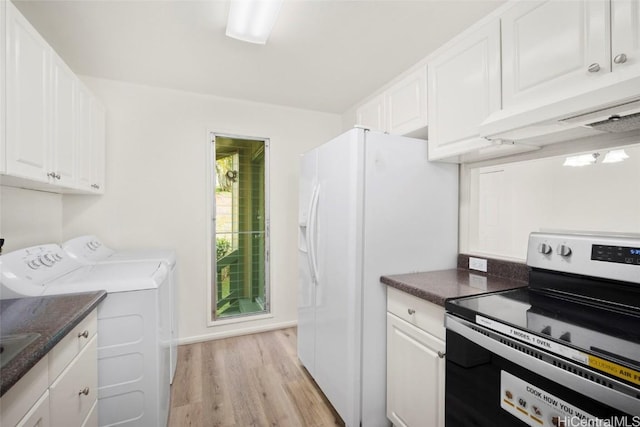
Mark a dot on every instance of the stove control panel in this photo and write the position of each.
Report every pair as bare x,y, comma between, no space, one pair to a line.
608,257
619,254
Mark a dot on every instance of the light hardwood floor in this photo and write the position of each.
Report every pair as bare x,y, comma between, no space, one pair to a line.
252,380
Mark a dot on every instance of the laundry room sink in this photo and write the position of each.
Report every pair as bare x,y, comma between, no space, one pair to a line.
12,345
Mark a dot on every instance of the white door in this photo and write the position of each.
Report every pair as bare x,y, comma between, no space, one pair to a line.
28,98
85,144
339,278
306,282
98,117
464,89
406,103
63,146
415,376
372,114
553,49
625,34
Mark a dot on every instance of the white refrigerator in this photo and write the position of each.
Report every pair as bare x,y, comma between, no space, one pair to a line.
371,204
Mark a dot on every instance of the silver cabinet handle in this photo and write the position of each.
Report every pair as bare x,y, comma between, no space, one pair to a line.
594,68
51,174
84,391
620,59
83,334
57,176
411,311
441,355
96,186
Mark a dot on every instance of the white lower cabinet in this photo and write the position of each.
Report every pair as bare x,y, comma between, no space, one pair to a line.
415,361
38,415
74,392
61,390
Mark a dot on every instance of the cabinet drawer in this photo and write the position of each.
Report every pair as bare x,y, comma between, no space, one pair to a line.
71,345
69,403
421,313
18,400
38,415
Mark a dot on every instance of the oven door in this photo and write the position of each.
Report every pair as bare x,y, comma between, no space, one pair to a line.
496,381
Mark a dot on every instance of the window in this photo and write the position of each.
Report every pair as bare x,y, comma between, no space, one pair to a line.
240,239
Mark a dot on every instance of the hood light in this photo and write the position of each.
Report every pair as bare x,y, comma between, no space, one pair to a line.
615,156
581,160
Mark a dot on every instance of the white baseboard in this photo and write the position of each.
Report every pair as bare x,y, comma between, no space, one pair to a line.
237,332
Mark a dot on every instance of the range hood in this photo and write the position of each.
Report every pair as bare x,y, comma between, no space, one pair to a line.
613,107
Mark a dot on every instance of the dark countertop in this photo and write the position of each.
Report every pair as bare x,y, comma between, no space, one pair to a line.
52,317
437,286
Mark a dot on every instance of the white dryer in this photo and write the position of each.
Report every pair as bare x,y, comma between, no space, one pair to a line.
89,249
133,334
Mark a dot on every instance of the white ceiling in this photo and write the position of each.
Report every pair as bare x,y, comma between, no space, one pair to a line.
323,55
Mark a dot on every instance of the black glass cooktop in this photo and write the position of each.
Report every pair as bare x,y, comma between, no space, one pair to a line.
604,329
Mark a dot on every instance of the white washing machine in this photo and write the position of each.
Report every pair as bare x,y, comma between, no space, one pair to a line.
133,333
90,250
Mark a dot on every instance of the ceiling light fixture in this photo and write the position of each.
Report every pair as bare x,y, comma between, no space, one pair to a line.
615,156
252,20
581,160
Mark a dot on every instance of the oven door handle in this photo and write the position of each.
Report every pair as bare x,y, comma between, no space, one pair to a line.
621,396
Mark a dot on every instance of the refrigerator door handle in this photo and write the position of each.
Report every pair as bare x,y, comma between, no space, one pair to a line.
313,232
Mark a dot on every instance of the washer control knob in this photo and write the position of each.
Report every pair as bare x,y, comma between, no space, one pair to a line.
33,264
46,260
564,250
544,248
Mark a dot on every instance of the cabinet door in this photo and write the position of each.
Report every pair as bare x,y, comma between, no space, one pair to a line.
63,144
464,89
625,35
84,129
38,415
98,116
406,103
75,391
553,49
371,115
28,99
415,375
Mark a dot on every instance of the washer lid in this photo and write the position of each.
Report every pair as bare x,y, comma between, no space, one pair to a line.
111,278
163,255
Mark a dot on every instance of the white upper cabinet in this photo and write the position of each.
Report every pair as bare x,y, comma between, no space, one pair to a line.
84,163
464,89
28,86
625,35
91,137
406,103
553,49
54,135
400,109
371,115
64,135
98,146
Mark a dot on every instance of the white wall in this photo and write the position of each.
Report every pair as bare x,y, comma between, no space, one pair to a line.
156,187
29,217
508,201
